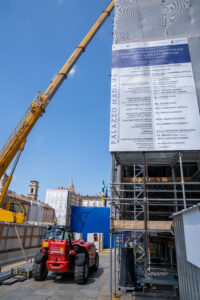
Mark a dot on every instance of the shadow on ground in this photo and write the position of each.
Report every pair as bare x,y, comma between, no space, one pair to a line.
68,278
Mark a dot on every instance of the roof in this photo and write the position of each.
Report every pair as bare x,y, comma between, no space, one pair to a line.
26,200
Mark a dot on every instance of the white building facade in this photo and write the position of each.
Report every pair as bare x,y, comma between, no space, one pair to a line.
92,201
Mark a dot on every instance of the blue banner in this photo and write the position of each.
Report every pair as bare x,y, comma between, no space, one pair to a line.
150,56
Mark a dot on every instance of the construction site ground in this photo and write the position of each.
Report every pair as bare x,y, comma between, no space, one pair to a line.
63,287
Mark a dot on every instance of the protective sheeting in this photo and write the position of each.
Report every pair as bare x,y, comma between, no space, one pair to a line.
36,211
142,20
91,220
58,199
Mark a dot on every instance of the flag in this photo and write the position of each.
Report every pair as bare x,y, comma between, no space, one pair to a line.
106,196
104,193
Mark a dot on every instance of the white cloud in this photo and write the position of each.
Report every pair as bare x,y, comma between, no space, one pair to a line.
39,139
72,72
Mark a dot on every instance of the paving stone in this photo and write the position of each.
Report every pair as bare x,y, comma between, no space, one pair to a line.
82,298
90,293
102,298
36,297
127,296
59,298
45,292
61,287
10,296
104,291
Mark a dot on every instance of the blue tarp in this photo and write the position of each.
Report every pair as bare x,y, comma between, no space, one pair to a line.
91,219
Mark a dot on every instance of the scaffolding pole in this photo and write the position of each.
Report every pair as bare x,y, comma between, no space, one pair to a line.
113,180
115,280
182,180
145,217
175,192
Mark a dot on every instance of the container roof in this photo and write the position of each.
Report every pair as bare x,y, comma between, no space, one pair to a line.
186,210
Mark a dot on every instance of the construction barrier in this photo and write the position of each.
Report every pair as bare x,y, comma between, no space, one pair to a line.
17,238
91,219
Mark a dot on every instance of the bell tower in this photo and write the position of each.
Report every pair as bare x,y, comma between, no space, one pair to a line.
33,189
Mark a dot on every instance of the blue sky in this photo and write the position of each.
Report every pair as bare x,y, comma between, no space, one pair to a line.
72,137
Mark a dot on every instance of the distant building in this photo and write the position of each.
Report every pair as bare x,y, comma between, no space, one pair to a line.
61,199
95,201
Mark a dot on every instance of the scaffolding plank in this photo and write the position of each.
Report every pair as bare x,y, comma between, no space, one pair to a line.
139,225
155,179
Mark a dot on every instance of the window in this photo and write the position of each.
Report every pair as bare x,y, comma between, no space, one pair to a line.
14,207
32,190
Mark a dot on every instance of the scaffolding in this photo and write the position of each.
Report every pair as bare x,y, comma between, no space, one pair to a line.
146,188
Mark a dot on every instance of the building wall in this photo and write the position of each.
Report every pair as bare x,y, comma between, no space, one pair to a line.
73,199
92,201
48,214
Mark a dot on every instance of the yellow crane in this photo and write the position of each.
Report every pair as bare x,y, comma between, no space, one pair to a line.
16,141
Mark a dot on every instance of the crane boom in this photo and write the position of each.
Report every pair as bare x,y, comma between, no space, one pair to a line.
39,104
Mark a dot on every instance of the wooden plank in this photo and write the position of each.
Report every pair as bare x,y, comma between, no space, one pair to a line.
155,179
134,225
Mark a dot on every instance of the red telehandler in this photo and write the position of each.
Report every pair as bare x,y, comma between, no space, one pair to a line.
61,253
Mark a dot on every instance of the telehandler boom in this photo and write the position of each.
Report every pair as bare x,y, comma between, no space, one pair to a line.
15,143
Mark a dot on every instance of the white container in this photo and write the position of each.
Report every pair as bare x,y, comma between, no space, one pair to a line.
99,243
78,236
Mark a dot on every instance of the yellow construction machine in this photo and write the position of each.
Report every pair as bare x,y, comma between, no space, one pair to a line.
13,212
15,143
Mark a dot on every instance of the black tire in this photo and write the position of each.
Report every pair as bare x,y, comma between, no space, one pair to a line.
96,265
40,271
81,274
